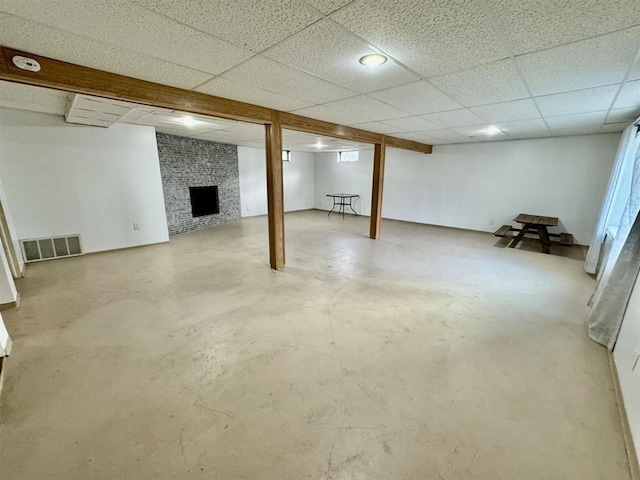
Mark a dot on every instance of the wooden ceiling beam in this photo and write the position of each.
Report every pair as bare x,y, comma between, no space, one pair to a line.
90,81
78,79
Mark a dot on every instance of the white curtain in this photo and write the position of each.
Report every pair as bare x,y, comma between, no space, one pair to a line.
626,152
618,275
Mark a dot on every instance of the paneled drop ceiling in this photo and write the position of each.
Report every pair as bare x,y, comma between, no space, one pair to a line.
100,112
456,67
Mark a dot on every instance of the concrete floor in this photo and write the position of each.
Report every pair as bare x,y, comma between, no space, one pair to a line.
428,354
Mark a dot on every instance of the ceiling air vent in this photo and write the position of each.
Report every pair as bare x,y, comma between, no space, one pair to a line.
37,249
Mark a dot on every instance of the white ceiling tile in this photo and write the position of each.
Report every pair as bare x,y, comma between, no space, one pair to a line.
629,95
540,24
413,124
246,23
326,114
367,107
328,51
491,83
379,127
613,127
585,130
417,98
430,37
522,126
269,75
580,101
136,115
417,137
523,109
35,99
455,118
576,121
481,131
590,63
50,42
327,6
533,134
241,133
444,134
221,87
619,115
130,26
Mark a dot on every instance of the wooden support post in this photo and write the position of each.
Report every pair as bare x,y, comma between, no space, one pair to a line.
376,189
275,196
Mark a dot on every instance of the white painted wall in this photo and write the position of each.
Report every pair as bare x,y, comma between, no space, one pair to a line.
626,350
298,177
63,179
468,185
332,176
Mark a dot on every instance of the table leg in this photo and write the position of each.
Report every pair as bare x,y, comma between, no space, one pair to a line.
334,206
544,238
520,236
352,207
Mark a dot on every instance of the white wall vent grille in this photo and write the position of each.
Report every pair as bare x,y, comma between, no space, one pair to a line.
38,249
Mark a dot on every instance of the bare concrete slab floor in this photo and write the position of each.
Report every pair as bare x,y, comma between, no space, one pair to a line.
429,354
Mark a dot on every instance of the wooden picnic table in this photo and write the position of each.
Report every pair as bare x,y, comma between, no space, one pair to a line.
535,224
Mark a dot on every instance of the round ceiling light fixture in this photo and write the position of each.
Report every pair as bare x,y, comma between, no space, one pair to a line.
493,130
373,60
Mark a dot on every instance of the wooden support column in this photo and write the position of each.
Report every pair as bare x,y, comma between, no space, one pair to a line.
376,189
275,195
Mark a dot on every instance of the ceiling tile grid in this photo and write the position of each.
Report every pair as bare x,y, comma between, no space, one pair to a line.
524,109
367,107
269,75
589,63
430,37
222,87
490,83
50,42
540,24
327,50
245,23
416,98
581,101
327,6
327,114
454,66
119,22
455,118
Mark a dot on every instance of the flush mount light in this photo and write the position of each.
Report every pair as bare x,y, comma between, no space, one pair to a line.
373,60
493,130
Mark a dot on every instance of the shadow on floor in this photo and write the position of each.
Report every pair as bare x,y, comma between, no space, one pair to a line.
575,252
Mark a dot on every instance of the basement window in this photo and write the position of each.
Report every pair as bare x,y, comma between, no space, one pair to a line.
351,156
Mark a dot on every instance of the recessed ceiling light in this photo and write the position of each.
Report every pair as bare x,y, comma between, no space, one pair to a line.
493,130
319,144
373,60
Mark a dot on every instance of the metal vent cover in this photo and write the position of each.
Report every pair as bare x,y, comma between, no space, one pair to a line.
38,249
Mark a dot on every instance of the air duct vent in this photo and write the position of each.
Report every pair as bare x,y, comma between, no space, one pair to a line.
38,249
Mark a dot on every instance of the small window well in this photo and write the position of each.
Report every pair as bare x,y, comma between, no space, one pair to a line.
351,156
